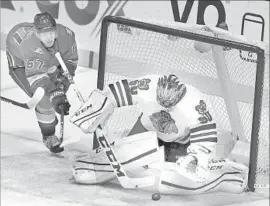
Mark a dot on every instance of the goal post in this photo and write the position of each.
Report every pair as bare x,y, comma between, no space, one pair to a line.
228,92
256,140
232,74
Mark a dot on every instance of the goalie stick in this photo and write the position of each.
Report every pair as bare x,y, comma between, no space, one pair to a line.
120,173
32,102
118,169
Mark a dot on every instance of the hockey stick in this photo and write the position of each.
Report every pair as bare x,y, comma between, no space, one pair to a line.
32,102
120,173
67,74
62,124
63,141
118,169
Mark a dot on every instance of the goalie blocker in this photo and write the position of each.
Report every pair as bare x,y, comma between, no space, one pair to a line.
93,112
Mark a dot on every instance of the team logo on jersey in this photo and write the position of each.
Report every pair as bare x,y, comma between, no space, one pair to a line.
38,50
202,110
163,122
170,91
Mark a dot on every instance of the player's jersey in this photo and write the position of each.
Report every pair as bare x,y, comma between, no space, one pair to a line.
24,49
188,120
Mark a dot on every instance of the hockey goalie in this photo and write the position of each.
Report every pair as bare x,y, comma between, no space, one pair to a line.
179,116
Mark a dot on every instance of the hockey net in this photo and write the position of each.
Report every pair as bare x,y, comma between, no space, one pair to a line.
231,74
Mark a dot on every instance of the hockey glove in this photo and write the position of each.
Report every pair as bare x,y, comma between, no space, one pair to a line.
54,73
59,100
57,77
63,83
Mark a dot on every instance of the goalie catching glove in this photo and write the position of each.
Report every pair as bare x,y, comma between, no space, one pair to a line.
94,111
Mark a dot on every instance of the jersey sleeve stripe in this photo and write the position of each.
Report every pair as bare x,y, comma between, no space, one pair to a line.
18,38
113,90
72,62
203,134
183,140
11,61
203,127
121,93
209,139
127,91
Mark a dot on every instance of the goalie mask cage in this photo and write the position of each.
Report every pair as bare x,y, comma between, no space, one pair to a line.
233,74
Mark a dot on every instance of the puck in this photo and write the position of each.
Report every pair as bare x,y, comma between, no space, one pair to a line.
156,196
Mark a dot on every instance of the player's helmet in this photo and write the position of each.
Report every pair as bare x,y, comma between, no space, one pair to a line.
170,91
44,22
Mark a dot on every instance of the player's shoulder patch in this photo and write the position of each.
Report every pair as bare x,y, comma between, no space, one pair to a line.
24,25
142,84
20,32
170,91
205,115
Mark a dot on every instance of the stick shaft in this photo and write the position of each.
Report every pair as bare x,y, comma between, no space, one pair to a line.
10,101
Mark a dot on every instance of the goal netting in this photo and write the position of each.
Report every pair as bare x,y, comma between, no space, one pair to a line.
233,72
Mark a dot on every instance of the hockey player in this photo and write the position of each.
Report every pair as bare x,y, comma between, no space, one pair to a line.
30,49
179,114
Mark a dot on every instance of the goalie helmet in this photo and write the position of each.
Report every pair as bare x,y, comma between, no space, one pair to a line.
44,22
169,91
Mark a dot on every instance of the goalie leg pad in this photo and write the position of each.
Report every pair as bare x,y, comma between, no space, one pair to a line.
171,182
226,165
133,152
195,164
91,168
93,112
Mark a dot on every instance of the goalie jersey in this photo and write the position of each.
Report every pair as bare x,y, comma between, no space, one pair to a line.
176,111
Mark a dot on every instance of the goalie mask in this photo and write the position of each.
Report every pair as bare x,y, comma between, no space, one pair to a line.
169,91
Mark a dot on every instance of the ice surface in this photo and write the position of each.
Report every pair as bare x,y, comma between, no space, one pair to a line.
30,175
